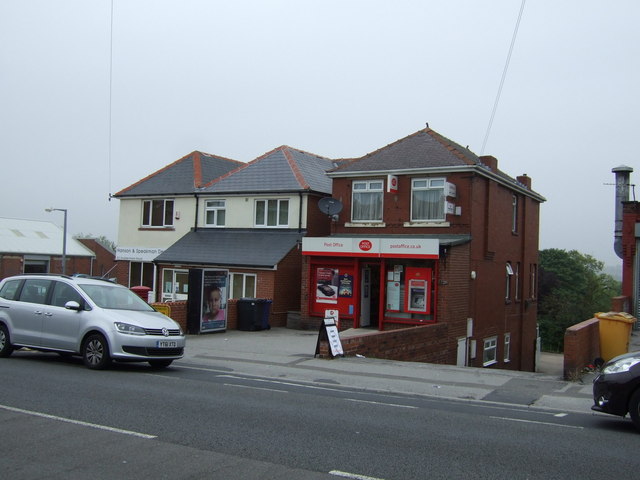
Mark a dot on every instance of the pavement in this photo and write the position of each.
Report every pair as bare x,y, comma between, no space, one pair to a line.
283,355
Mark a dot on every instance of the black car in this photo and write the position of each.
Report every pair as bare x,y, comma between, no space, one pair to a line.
617,389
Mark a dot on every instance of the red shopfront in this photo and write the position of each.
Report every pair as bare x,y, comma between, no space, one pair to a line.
373,281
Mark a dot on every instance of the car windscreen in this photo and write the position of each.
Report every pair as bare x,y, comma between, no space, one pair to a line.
116,298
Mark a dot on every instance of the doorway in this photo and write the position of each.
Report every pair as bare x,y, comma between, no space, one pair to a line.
369,295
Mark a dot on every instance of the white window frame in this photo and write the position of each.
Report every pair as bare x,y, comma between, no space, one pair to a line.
210,206
507,347
490,351
367,187
235,276
514,214
509,274
533,286
148,209
264,221
429,184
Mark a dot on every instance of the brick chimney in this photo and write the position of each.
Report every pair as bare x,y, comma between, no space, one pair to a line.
525,180
490,161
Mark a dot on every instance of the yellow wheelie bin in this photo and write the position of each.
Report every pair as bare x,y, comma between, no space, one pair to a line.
615,332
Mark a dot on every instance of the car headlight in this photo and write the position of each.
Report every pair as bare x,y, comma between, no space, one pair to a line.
129,329
622,365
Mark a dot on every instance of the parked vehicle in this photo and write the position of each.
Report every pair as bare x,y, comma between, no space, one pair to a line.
96,319
617,389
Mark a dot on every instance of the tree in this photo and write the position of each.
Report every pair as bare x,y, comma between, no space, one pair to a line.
572,288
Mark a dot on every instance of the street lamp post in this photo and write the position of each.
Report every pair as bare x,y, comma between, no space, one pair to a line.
64,237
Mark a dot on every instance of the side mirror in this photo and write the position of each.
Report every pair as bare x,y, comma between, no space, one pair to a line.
73,305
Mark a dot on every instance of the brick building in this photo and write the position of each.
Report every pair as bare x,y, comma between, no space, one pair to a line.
430,234
33,246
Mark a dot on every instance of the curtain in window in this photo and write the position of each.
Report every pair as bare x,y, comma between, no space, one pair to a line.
428,205
367,205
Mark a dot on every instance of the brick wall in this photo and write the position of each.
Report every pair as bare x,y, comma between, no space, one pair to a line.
10,265
178,312
581,347
425,343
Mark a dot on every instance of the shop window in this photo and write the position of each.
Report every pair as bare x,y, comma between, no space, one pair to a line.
214,213
243,285
157,213
272,213
489,352
507,347
427,200
141,273
367,201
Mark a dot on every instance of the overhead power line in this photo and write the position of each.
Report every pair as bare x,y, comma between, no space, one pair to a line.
504,75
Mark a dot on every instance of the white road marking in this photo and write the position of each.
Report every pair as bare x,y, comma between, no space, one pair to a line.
355,476
77,422
254,388
381,403
536,422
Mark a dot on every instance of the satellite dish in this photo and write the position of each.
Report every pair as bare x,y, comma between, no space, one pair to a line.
330,206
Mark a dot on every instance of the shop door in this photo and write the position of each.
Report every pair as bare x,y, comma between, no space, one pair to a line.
365,297
175,285
369,295
462,352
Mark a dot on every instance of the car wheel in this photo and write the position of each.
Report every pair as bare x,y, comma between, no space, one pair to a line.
634,408
95,352
5,344
160,363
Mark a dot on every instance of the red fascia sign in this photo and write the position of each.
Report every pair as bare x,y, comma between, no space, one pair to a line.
371,247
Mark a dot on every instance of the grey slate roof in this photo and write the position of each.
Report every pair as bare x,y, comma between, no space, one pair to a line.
183,176
232,247
283,169
423,149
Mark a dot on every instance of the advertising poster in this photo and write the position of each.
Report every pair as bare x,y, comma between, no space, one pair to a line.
327,285
214,300
345,288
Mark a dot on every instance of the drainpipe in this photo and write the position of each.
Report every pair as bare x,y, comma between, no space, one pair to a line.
300,212
622,174
195,225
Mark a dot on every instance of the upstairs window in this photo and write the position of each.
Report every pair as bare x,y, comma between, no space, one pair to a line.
215,213
427,200
509,274
514,214
272,213
157,213
367,201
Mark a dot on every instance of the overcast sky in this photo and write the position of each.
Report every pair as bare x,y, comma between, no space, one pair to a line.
336,78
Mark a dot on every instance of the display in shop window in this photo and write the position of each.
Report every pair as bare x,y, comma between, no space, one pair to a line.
327,282
345,287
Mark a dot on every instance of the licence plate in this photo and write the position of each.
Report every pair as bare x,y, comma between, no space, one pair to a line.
166,344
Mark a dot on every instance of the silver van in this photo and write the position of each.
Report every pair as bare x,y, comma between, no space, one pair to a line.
94,318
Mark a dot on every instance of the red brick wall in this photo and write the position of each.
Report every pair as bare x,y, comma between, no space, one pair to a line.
581,347
105,259
178,312
10,265
426,343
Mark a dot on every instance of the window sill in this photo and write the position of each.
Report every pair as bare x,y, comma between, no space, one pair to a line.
366,224
488,364
427,224
156,229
